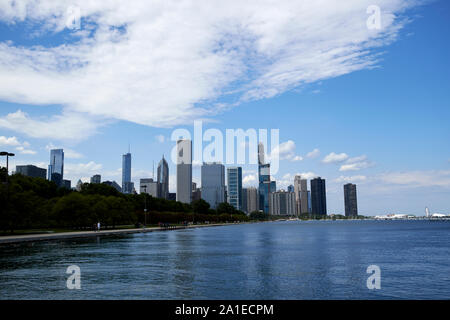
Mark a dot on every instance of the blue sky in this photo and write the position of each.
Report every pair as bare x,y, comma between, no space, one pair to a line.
378,103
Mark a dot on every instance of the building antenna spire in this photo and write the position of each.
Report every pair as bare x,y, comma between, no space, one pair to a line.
153,170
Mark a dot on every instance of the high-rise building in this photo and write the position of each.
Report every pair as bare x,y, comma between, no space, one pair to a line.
265,186
351,206
79,185
252,200
127,185
234,187
196,192
55,171
172,196
163,178
244,200
149,186
301,195
318,196
113,184
213,183
32,171
290,188
67,184
260,153
309,202
96,178
184,171
282,203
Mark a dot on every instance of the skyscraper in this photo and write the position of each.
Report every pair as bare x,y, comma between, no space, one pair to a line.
252,200
318,196
96,178
31,171
67,184
79,185
127,185
234,187
56,167
163,179
213,183
244,200
184,171
196,192
351,206
301,194
265,185
113,184
282,203
149,186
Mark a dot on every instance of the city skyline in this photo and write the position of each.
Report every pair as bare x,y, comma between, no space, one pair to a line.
380,124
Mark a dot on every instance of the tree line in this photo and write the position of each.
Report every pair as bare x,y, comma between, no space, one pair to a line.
30,203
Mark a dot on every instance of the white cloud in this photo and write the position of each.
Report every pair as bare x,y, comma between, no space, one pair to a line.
357,159
11,141
14,142
432,178
356,166
313,154
285,151
169,62
83,171
22,150
82,168
352,179
68,126
297,158
335,158
249,180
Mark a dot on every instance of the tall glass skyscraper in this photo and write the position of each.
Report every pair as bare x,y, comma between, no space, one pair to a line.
234,185
55,171
127,185
318,196
184,171
163,179
301,194
265,185
350,202
213,183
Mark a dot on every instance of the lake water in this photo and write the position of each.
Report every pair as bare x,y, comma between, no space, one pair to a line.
277,260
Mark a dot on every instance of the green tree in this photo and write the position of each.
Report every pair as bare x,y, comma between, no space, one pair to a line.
201,206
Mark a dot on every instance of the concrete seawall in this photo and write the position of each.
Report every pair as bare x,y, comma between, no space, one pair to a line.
85,234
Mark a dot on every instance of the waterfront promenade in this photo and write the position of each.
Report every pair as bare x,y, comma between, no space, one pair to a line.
84,234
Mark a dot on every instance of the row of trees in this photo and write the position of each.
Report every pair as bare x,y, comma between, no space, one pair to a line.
27,203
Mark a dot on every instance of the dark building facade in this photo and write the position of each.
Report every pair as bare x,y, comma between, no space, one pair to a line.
113,184
318,196
96,178
55,171
32,171
163,179
172,196
351,205
67,184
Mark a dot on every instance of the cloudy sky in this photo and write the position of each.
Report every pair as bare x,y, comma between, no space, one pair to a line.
354,101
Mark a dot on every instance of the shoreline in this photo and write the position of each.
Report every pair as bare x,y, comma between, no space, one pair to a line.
16,239
86,234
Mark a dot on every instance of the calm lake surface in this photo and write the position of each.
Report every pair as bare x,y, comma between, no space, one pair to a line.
277,260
